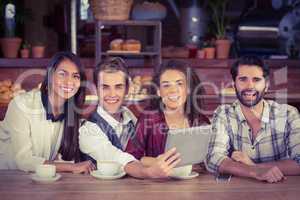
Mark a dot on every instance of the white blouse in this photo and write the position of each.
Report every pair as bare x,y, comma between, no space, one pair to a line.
27,138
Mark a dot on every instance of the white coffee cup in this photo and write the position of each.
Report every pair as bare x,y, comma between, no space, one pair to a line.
45,171
182,171
108,168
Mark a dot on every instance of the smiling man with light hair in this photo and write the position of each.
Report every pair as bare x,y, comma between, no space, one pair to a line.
104,136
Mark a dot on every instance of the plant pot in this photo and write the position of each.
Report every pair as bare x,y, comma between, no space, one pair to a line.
223,48
24,53
210,52
10,47
192,52
201,54
38,51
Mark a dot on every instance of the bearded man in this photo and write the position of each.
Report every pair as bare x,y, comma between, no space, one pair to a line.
254,137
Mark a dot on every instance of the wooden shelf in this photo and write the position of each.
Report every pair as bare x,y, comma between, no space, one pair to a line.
156,33
139,54
23,62
195,63
129,23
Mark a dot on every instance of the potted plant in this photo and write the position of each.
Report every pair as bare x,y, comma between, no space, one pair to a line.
12,17
201,53
38,50
209,49
218,9
25,50
10,43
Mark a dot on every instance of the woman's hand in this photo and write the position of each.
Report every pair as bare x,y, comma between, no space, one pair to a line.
242,158
148,161
83,167
164,164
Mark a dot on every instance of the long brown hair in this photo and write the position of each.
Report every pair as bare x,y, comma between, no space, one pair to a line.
193,105
69,148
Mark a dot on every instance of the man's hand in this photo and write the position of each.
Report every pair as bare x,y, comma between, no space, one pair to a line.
242,158
271,175
164,164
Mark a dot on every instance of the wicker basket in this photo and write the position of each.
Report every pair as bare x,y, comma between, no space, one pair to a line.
111,9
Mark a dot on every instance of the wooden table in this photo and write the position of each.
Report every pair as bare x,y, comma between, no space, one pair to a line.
15,185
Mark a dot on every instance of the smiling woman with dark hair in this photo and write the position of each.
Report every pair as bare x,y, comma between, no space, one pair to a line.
41,126
176,105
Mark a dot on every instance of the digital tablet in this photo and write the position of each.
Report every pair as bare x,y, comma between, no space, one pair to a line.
191,143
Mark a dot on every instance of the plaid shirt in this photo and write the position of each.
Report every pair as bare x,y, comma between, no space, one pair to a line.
278,138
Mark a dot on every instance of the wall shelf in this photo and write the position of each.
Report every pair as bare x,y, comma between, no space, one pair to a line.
155,26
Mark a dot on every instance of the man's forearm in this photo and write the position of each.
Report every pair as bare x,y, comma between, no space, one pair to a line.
136,169
287,167
236,168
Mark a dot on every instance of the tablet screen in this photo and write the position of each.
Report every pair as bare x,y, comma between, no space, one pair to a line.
191,143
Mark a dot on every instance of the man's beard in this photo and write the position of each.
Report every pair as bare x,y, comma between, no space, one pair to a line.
249,104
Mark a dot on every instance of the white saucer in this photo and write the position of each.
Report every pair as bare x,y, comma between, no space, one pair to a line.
190,176
37,178
97,174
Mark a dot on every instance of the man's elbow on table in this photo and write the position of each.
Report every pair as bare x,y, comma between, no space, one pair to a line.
213,162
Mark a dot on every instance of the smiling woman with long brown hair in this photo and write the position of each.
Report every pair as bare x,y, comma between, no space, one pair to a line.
41,126
177,105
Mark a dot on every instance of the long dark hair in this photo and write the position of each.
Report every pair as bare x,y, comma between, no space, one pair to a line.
194,103
69,148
